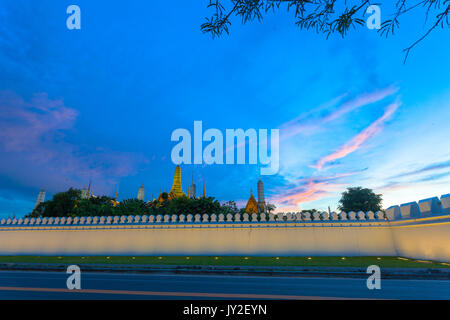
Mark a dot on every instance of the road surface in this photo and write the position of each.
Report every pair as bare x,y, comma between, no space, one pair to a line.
52,285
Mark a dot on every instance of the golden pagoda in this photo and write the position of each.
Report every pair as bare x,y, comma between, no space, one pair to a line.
252,205
176,190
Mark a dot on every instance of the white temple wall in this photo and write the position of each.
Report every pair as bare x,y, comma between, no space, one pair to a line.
429,242
243,240
416,230
422,230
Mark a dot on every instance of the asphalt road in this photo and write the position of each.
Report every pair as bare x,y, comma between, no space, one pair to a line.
52,285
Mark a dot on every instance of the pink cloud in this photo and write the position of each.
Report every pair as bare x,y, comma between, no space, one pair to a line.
25,125
34,151
241,203
310,189
394,187
361,101
300,125
356,142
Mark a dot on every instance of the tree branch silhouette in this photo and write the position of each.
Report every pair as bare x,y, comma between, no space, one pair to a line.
324,16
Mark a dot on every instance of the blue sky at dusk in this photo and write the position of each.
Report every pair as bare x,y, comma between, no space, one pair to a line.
101,103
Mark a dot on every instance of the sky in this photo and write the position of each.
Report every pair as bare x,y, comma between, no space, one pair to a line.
101,104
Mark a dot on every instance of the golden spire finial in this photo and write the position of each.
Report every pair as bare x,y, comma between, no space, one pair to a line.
115,198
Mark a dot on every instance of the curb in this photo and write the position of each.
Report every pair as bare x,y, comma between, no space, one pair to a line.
307,272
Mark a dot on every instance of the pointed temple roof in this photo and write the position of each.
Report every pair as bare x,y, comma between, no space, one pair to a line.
252,205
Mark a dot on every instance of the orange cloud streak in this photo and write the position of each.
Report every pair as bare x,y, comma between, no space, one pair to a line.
359,139
310,192
312,188
299,124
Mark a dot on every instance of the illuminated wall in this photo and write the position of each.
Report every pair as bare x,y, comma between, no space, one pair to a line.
412,230
422,230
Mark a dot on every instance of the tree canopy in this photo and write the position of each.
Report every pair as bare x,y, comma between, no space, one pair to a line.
327,16
61,204
70,204
360,199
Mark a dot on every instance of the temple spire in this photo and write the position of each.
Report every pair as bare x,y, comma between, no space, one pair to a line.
89,189
40,198
261,198
204,190
176,186
252,205
141,192
186,193
192,188
115,198
84,193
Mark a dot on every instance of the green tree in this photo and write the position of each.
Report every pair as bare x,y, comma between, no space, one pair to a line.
62,204
94,206
185,205
69,203
270,207
39,210
181,205
131,207
360,199
206,205
311,211
229,207
327,16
